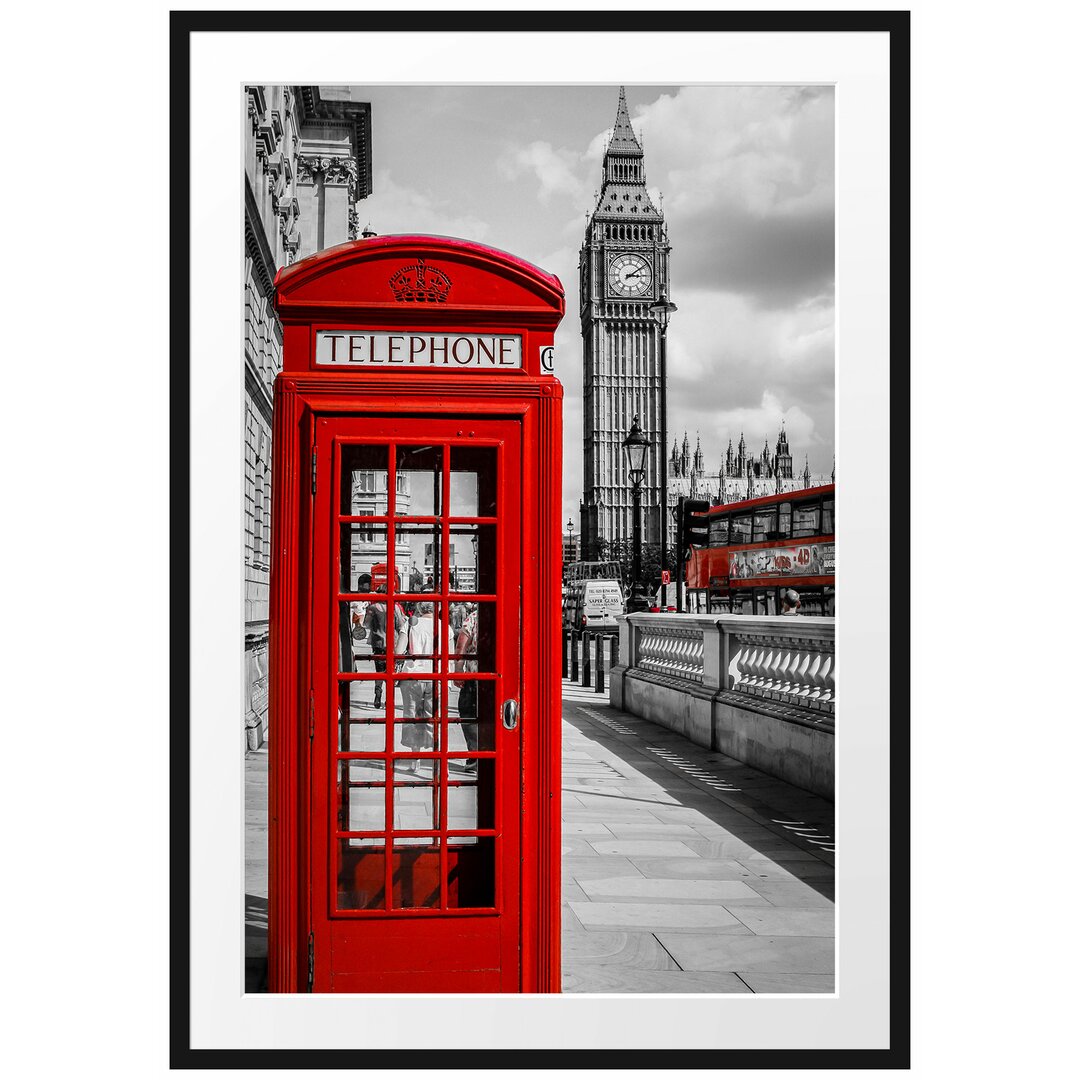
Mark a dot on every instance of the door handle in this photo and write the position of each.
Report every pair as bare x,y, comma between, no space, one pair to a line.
510,714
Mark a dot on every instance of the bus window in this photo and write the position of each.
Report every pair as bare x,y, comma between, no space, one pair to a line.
718,531
807,520
765,527
785,520
827,516
742,528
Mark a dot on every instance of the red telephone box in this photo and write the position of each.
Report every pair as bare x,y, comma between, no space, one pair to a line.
415,587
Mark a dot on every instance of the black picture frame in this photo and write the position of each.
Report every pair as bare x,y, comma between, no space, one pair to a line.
896,24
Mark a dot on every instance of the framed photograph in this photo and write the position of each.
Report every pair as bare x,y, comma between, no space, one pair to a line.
580,345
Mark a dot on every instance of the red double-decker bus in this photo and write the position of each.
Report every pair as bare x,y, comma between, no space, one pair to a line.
759,547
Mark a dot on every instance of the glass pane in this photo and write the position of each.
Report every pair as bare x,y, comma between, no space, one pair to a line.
363,557
473,476
765,525
472,558
362,636
415,770
471,871
360,733
785,519
419,637
361,725
416,796
418,552
471,714
415,699
419,481
361,796
470,802
473,647
415,734
364,624
363,479
718,531
827,516
461,800
741,528
416,873
806,520
361,883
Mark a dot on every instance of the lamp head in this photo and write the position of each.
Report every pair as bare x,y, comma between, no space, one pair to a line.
636,445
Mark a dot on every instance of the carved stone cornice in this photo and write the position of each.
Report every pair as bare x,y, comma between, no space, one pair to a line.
338,171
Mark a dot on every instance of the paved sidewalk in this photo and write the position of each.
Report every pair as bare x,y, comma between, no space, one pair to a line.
685,871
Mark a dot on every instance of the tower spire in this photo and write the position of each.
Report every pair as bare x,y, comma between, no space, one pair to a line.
623,139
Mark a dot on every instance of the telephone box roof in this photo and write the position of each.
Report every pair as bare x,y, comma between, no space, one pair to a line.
472,274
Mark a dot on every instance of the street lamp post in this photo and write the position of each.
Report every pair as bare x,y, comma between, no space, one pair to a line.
570,533
636,445
662,309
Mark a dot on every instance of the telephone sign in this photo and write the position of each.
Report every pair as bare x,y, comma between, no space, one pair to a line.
415,585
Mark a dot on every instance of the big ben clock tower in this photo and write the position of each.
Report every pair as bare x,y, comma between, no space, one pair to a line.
624,270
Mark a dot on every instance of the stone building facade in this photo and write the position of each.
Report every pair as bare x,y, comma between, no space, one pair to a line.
624,271
307,164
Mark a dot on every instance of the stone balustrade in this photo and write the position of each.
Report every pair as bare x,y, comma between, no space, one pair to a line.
678,651
759,688
796,666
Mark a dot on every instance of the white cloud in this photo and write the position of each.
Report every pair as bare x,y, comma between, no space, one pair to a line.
558,171
396,208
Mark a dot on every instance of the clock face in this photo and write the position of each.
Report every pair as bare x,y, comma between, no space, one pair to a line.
629,275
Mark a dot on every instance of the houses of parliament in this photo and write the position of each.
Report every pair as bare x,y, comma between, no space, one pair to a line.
741,475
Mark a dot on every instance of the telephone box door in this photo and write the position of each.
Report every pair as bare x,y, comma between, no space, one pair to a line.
417,780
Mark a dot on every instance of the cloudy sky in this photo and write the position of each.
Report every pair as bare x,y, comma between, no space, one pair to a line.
746,177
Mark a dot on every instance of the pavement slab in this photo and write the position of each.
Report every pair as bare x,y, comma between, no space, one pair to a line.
670,890
722,869
767,983
789,922
607,979
729,952
640,951
642,847
655,917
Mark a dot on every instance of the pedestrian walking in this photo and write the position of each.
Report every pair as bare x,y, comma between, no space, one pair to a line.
375,623
417,695
465,648
789,600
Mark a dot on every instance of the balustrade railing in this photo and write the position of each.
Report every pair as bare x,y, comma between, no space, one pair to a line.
672,650
777,659
786,667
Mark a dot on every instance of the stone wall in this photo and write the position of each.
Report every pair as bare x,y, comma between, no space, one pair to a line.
307,162
759,689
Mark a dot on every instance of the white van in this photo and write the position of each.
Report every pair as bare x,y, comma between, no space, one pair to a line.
593,605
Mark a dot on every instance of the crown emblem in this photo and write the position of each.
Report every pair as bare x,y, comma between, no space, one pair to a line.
420,284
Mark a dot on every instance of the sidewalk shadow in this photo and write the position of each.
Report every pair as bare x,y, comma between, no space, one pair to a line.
803,866
255,925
